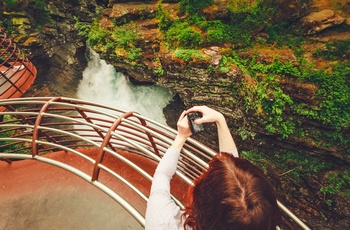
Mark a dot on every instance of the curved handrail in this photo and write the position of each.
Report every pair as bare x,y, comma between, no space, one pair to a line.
14,82
34,126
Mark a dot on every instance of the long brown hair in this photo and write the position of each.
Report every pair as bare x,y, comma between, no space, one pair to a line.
232,194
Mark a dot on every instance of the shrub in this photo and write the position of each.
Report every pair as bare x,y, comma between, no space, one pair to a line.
333,95
187,54
194,6
163,17
11,4
123,37
334,51
181,34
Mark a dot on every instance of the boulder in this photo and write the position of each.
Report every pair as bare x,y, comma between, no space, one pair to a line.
317,21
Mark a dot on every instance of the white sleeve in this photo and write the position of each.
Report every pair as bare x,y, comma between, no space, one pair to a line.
165,171
162,212
234,152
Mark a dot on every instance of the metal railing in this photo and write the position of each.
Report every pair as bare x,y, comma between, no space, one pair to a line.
14,82
32,127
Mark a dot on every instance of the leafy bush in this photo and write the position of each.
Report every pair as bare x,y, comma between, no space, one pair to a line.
334,51
121,38
217,32
83,29
180,34
246,20
11,4
187,55
333,94
279,34
163,17
338,182
267,100
194,6
265,97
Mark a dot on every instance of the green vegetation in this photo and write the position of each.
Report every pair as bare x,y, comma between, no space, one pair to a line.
280,36
118,41
11,4
38,4
246,20
163,17
41,15
299,166
267,100
187,55
264,97
10,146
261,94
194,6
334,51
333,94
339,182
180,34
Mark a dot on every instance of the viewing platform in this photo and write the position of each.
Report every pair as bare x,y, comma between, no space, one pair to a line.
89,164
17,73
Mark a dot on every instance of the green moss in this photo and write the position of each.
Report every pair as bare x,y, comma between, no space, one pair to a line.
333,95
11,4
120,40
180,34
334,51
194,6
339,182
188,54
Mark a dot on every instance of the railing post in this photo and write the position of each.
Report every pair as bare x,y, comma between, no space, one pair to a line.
105,142
38,122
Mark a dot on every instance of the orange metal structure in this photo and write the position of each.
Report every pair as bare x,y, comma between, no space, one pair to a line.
14,82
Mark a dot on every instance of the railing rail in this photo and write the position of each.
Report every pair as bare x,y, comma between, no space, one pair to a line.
32,127
14,82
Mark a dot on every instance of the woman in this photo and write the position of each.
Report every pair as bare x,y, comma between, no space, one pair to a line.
231,194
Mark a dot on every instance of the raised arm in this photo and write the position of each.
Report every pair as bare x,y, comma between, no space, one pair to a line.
183,132
226,142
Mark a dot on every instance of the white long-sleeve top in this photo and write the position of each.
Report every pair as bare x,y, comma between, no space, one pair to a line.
162,212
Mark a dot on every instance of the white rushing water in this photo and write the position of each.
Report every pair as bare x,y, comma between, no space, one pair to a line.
102,84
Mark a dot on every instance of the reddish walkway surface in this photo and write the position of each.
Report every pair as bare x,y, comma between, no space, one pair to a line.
36,195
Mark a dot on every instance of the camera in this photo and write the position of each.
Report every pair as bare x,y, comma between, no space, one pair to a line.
195,128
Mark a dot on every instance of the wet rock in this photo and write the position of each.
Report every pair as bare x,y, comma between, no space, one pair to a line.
214,53
218,10
31,41
300,92
317,21
130,11
291,9
347,21
55,10
268,56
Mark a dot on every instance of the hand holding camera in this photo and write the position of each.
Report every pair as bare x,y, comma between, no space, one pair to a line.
195,128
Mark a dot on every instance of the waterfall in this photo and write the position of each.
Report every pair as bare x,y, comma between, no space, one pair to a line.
102,84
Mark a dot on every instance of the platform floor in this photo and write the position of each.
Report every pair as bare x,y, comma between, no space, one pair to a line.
45,197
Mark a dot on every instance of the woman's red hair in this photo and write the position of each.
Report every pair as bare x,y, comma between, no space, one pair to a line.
232,194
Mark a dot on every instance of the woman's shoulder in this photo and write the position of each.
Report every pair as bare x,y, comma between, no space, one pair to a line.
172,220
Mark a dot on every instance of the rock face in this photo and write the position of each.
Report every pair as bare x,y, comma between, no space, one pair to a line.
317,21
56,49
59,53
